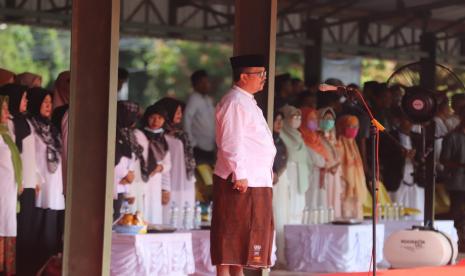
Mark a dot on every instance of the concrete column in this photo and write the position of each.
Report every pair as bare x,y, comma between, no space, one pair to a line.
255,33
92,124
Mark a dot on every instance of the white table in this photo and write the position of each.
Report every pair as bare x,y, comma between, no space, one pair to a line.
201,246
152,254
331,248
445,226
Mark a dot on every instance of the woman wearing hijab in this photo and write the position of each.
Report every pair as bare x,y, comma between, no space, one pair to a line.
29,79
50,199
332,172
61,91
157,160
182,174
355,190
25,142
6,76
127,151
10,186
316,196
61,95
298,163
280,187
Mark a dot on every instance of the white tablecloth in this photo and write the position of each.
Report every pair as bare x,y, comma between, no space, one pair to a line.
331,248
152,254
445,226
201,246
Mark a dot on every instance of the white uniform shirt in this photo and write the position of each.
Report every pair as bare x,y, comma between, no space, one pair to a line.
199,121
31,175
8,192
124,166
51,184
245,143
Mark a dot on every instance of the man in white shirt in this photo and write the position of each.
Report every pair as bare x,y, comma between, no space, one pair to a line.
242,222
199,119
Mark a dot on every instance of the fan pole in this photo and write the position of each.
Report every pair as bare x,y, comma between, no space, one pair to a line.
373,134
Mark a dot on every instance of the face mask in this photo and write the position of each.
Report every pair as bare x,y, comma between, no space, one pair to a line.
326,125
351,132
312,125
295,123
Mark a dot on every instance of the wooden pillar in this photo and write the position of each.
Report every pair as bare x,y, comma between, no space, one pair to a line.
313,53
255,33
91,141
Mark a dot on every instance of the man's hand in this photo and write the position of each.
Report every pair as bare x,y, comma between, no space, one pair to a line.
241,185
165,197
130,176
130,200
275,178
37,189
411,154
158,169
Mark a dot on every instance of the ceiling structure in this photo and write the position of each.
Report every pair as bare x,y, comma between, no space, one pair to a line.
380,28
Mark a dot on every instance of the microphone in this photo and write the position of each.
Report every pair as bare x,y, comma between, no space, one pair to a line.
332,88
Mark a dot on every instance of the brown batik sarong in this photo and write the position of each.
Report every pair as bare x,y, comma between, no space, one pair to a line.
242,225
7,255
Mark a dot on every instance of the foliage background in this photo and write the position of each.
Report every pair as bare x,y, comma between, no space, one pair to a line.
157,67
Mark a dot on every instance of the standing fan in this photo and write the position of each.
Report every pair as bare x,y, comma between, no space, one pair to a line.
419,101
423,246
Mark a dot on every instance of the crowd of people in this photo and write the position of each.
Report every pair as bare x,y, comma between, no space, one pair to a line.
322,158
156,154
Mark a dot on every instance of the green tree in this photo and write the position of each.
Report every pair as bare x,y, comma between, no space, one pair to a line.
38,50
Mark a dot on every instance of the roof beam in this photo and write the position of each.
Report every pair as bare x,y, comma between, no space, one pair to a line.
399,12
451,25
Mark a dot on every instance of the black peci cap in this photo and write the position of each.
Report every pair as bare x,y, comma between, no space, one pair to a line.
247,61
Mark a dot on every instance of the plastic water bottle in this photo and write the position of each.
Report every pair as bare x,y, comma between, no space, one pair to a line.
314,216
210,210
387,211
330,215
306,216
395,211
187,218
321,215
174,215
401,212
125,208
197,215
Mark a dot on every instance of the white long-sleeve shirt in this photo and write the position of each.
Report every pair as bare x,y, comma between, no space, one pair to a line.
124,166
199,121
245,143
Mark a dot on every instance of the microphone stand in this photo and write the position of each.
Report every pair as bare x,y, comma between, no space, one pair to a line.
375,128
